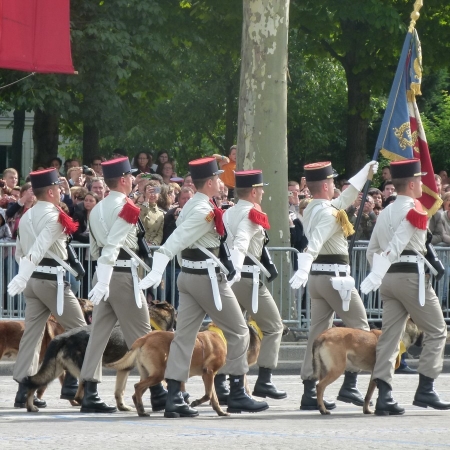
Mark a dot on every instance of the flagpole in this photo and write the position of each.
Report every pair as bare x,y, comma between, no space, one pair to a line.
414,18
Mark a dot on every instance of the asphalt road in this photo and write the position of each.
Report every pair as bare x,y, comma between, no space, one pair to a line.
282,426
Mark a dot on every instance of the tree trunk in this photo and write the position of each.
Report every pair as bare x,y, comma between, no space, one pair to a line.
262,129
91,137
45,136
17,140
230,115
357,123
262,120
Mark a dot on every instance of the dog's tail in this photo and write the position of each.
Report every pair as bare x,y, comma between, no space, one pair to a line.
127,362
318,366
51,367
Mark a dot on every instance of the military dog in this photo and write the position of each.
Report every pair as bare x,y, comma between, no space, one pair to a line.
67,351
339,349
150,353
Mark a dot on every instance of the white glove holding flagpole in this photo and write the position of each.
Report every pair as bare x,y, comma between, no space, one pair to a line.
154,278
366,173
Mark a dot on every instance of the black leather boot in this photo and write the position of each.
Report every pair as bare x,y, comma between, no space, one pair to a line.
175,404
69,387
239,401
264,386
158,397
309,397
349,392
92,403
386,405
221,387
21,398
427,396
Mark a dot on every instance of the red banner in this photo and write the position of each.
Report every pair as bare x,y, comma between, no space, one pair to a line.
35,36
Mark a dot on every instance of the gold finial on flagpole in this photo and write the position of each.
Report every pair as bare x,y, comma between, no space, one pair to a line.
415,15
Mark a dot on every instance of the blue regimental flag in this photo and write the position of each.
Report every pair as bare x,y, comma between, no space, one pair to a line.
402,135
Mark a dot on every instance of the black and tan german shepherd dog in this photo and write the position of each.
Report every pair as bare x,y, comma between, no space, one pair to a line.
67,350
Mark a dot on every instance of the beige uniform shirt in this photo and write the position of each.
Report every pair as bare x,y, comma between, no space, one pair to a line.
393,233
153,220
195,224
50,233
325,235
248,237
120,232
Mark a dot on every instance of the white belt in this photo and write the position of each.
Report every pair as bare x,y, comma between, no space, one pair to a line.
123,263
409,259
196,264
59,272
331,268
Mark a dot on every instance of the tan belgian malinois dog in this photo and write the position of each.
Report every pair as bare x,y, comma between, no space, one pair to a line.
339,349
150,353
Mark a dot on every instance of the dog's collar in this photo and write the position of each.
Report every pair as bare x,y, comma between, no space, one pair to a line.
217,330
154,325
253,324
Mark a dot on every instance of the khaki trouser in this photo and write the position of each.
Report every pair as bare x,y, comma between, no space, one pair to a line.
399,293
40,298
196,299
267,318
324,302
120,306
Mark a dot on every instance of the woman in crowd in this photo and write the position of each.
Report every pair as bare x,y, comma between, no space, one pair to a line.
166,198
143,162
161,157
18,209
152,217
166,170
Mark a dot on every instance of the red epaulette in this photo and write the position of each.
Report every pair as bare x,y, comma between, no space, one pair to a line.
130,212
218,219
417,216
69,225
257,216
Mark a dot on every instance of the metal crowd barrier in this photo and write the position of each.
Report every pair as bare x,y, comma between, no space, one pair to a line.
293,305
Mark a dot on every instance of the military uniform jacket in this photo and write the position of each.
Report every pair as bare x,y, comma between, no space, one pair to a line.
120,232
195,224
248,236
324,233
395,230
50,233
153,220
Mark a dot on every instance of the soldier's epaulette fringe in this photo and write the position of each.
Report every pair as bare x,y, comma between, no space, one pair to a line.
69,225
259,218
418,219
130,212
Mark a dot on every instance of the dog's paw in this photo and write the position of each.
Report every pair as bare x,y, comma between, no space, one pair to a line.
223,413
367,411
143,414
123,407
324,412
33,408
75,402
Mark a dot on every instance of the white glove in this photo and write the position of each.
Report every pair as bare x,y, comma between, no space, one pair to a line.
19,282
101,289
300,277
359,180
238,261
154,278
372,282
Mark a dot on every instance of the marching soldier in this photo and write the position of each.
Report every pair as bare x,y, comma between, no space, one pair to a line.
395,254
325,263
246,224
42,254
203,290
113,240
